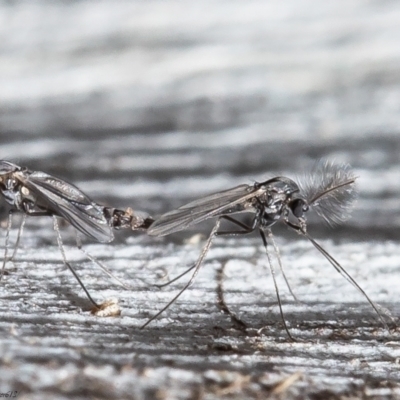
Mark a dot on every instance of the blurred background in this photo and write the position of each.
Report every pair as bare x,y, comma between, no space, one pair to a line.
151,104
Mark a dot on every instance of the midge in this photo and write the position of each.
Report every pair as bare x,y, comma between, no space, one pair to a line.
35,193
328,189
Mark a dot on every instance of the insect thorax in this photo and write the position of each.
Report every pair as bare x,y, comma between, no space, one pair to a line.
273,203
10,189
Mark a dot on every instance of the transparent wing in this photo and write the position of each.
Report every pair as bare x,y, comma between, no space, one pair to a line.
69,202
216,204
220,198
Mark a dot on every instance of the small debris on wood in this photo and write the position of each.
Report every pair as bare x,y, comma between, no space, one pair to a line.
109,308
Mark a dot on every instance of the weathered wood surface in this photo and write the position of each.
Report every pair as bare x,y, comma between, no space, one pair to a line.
151,104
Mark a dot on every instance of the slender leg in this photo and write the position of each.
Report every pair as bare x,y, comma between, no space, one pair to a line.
176,278
278,256
335,264
9,223
98,263
61,246
28,210
221,300
196,270
271,267
247,229
20,231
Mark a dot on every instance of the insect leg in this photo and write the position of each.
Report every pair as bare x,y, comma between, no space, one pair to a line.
9,223
176,278
341,270
247,229
220,293
60,245
196,270
20,231
278,256
264,239
98,263
29,209
221,300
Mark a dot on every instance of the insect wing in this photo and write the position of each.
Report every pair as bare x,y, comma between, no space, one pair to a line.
215,204
70,203
7,167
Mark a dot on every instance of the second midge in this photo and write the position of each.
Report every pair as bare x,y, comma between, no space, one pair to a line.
328,189
35,193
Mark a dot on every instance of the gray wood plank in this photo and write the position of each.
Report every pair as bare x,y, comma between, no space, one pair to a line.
153,104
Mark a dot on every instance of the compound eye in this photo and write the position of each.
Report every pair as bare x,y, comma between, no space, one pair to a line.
299,207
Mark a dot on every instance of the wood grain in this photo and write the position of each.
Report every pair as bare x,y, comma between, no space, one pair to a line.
152,104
